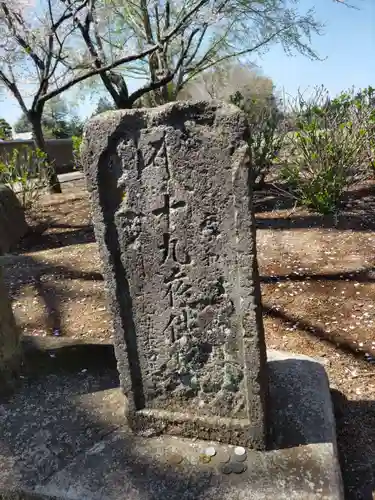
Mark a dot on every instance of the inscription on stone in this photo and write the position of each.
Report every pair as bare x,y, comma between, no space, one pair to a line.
173,221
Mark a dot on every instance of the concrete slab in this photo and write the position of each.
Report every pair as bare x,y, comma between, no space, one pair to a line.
106,462
51,420
136,469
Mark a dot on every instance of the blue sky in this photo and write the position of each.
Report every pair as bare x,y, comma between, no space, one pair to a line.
348,47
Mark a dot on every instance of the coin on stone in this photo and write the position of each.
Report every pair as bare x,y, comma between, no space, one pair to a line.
239,458
204,459
238,467
174,458
226,469
240,451
210,451
222,457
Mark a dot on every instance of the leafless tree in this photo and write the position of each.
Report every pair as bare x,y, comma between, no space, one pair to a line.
32,52
37,56
188,37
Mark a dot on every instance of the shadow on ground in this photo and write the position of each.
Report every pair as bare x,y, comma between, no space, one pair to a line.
344,221
366,275
46,356
355,426
25,270
357,211
338,341
272,197
73,235
43,425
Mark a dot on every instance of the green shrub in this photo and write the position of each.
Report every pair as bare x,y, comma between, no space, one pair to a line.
77,141
266,139
329,151
26,172
321,191
367,98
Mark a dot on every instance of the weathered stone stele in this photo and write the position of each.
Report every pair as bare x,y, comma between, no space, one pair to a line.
173,219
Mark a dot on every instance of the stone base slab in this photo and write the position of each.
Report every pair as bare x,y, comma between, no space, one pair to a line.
133,468
301,464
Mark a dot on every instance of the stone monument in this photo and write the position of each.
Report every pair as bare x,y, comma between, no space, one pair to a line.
174,223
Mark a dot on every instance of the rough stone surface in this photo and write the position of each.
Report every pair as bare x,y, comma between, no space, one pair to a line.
61,438
137,469
309,417
9,341
12,219
60,409
175,227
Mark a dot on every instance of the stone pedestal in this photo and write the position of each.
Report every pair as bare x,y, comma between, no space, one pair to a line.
80,450
175,227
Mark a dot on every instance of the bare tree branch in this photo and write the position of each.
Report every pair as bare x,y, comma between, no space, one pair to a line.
350,6
21,41
126,59
169,77
198,45
203,67
14,89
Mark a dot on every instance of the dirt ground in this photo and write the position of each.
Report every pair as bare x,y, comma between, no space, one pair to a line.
318,288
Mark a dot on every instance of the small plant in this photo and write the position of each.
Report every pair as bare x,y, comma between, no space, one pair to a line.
26,172
77,141
367,99
329,151
5,130
266,137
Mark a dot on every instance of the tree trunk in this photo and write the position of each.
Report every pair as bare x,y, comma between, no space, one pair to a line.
53,181
117,88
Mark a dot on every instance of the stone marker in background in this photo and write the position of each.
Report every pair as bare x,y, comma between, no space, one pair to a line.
9,341
13,224
173,219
